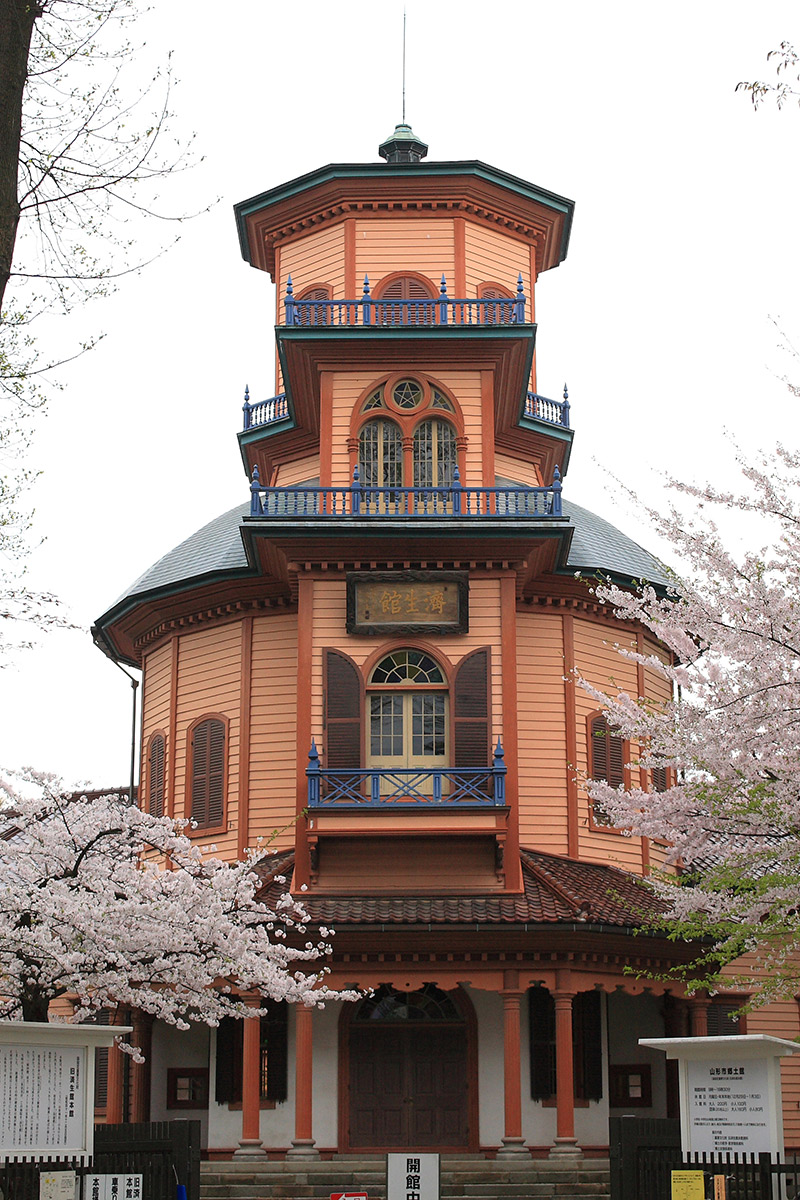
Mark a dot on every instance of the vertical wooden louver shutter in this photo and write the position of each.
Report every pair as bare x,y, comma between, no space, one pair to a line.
587,1046
606,753
275,1050
155,777
228,1084
342,712
208,773
542,1012
274,1039
471,711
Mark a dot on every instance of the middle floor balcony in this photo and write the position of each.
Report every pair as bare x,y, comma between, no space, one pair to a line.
390,503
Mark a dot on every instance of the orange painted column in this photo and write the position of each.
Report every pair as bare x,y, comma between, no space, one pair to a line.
115,1104
142,1037
513,1141
566,1144
303,1141
250,1141
698,1017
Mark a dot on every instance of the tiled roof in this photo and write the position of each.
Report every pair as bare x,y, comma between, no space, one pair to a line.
556,890
597,546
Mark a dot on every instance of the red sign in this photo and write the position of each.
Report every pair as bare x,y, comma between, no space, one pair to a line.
349,1196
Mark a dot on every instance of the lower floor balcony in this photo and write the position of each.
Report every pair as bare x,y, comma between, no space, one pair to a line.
419,787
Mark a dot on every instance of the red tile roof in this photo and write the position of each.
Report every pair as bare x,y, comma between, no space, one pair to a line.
556,890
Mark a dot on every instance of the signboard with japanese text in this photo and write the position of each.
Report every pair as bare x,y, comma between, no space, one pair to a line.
57,1185
47,1091
688,1185
57,1076
113,1187
728,1103
412,1176
380,602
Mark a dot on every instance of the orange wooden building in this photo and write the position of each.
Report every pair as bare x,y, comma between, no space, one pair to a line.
374,656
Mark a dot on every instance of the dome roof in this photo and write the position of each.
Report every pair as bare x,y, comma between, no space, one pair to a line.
217,551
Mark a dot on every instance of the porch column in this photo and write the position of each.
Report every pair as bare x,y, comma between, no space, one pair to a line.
250,1141
142,1037
698,1016
115,1087
303,1141
566,1144
513,1141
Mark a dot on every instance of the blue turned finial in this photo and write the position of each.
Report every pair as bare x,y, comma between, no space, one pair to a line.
256,508
443,285
519,303
520,287
566,393
256,476
366,285
313,757
499,754
246,394
246,407
289,301
289,286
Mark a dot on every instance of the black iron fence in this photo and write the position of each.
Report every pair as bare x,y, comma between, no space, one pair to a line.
644,1152
165,1153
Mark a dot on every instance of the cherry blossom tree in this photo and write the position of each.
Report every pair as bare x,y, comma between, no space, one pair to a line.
109,906
730,741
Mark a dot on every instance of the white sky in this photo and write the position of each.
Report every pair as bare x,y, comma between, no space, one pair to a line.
686,241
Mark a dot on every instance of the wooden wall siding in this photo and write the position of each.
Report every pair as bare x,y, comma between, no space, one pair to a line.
292,473
542,736
155,712
329,632
597,659
406,243
399,865
208,682
518,470
316,257
494,257
349,386
273,728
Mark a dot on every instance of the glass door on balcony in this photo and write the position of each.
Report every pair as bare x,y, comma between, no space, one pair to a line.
407,727
380,464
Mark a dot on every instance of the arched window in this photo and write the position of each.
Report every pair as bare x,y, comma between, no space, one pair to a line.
408,704
405,300
380,454
412,409
314,314
434,454
155,775
428,1004
208,773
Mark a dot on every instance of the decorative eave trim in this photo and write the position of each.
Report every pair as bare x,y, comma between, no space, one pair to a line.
235,610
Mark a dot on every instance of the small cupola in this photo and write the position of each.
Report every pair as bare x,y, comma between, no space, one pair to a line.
403,146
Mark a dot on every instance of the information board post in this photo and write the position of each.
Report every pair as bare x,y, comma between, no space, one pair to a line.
47,1090
730,1092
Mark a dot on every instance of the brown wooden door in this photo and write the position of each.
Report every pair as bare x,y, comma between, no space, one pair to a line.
408,1086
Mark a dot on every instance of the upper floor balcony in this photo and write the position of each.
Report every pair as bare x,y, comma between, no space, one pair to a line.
275,411
368,312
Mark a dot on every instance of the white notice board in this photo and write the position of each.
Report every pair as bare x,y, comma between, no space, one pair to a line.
729,1105
56,1078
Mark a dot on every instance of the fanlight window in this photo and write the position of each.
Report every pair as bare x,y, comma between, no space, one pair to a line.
434,449
428,1004
407,666
407,394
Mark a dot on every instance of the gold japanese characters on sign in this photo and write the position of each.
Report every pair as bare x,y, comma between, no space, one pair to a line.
411,601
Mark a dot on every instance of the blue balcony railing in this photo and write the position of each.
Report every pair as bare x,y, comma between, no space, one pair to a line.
389,502
264,412
407,787
444,310
554,412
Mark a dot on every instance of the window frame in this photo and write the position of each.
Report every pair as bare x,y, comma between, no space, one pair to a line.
597,823
156,734
176,1073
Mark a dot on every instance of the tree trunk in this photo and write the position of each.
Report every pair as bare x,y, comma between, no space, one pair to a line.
35,1006
17,18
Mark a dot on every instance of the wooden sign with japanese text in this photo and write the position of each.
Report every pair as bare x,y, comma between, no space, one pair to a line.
380,602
